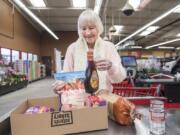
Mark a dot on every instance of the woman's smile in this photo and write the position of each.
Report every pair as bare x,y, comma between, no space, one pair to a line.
90,33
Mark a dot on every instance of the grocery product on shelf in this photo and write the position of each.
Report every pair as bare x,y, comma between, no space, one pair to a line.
32,69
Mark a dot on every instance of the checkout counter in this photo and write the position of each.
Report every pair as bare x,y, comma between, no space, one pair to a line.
172,124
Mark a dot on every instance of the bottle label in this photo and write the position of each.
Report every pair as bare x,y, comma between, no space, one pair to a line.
157,122
94,81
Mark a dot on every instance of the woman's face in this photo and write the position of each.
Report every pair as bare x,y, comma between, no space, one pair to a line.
90,33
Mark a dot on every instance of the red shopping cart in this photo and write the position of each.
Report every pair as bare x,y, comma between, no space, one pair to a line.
143,95
138,95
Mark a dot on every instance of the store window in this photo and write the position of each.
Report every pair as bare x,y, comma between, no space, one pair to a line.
24,56
6,55
35,57
15,55
30,56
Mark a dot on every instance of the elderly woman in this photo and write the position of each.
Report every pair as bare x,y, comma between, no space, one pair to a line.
106,58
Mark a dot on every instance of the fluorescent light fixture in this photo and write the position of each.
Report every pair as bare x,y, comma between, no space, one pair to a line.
79,3
178,35
149,30
163,43
134,3
136,47
38,3
178,48
147,25
26,10
152,28
166,47
118,29
129,43
177,10
97,6
144,33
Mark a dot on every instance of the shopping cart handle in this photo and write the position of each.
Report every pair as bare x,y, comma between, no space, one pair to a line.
157,81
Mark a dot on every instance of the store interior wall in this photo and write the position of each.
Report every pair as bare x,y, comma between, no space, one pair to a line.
16,32
48,43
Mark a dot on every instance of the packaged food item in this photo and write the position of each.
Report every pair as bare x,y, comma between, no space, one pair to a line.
94,101
120,109
38,109
73,94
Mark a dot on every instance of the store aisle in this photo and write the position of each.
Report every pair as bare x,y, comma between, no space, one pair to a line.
8,102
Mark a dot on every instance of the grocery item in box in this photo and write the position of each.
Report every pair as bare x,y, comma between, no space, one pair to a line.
38,109
73,93
94,101
57,122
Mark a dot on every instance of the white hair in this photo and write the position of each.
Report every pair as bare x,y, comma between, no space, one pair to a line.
89,16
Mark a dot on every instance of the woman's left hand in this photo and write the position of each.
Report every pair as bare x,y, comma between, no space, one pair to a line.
103,64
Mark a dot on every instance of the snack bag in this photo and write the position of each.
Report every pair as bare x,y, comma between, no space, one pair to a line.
73,94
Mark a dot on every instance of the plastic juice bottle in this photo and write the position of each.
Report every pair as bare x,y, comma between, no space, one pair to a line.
91,81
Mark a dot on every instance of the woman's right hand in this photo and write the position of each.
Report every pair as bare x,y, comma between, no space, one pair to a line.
58,86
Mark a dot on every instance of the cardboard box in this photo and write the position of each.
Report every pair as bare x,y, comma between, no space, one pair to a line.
56,123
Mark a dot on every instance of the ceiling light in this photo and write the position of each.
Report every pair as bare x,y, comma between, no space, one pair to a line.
178,35
163,43
143,4
152,28
149,30
177,10
25,9
118,29
79,3
178,48
134,3
38,3
166,47
129,43
112,29
147,25
97,6
136,47
144,33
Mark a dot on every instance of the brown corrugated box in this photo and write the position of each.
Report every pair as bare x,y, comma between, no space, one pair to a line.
56,123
